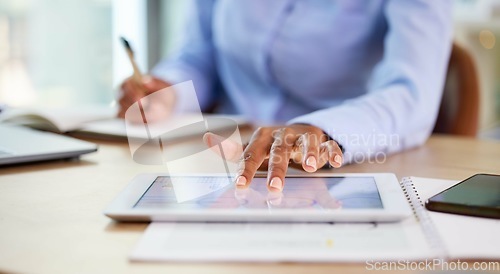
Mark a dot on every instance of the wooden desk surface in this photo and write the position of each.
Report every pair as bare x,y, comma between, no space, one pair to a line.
51,220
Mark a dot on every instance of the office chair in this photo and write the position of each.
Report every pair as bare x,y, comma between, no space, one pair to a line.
459,110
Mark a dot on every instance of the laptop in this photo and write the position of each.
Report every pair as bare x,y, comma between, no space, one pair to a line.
22,145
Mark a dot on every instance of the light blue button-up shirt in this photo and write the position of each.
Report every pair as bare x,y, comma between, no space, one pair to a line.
370,73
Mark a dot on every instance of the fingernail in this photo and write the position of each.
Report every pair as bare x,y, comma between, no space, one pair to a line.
338,159
276,183
241,181
311,162
207,139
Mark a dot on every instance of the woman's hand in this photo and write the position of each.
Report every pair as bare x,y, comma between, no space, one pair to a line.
274,148
131,92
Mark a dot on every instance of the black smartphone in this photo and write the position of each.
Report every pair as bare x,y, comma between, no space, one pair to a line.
478,196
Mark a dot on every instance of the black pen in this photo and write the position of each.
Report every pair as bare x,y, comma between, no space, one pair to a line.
137,76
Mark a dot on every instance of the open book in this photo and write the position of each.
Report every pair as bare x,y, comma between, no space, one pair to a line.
99,122
59,120
438,237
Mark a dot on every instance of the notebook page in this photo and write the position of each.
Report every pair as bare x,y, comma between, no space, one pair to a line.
117,128
271,242
463,236
63,119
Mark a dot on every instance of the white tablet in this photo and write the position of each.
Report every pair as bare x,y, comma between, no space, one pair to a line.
305,198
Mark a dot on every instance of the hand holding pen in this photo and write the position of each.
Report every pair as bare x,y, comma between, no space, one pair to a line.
138,85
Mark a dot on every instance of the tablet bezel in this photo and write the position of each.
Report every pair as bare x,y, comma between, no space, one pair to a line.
395,205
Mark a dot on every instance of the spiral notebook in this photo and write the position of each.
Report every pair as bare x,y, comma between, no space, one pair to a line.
426,235
459,237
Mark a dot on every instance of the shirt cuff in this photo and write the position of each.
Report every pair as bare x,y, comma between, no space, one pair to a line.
352,131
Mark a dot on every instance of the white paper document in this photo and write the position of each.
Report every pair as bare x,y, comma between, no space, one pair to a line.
247,242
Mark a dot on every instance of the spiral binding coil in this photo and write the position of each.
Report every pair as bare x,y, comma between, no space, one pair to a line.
423,217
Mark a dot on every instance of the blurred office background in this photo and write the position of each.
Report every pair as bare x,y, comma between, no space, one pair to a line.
67,52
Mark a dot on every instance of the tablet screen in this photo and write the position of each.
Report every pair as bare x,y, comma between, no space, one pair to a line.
219,193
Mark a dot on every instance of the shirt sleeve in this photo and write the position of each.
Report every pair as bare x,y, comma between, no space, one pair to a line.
194,59
404,94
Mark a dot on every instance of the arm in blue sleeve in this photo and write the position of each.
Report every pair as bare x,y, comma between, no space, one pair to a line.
401,106
194,59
